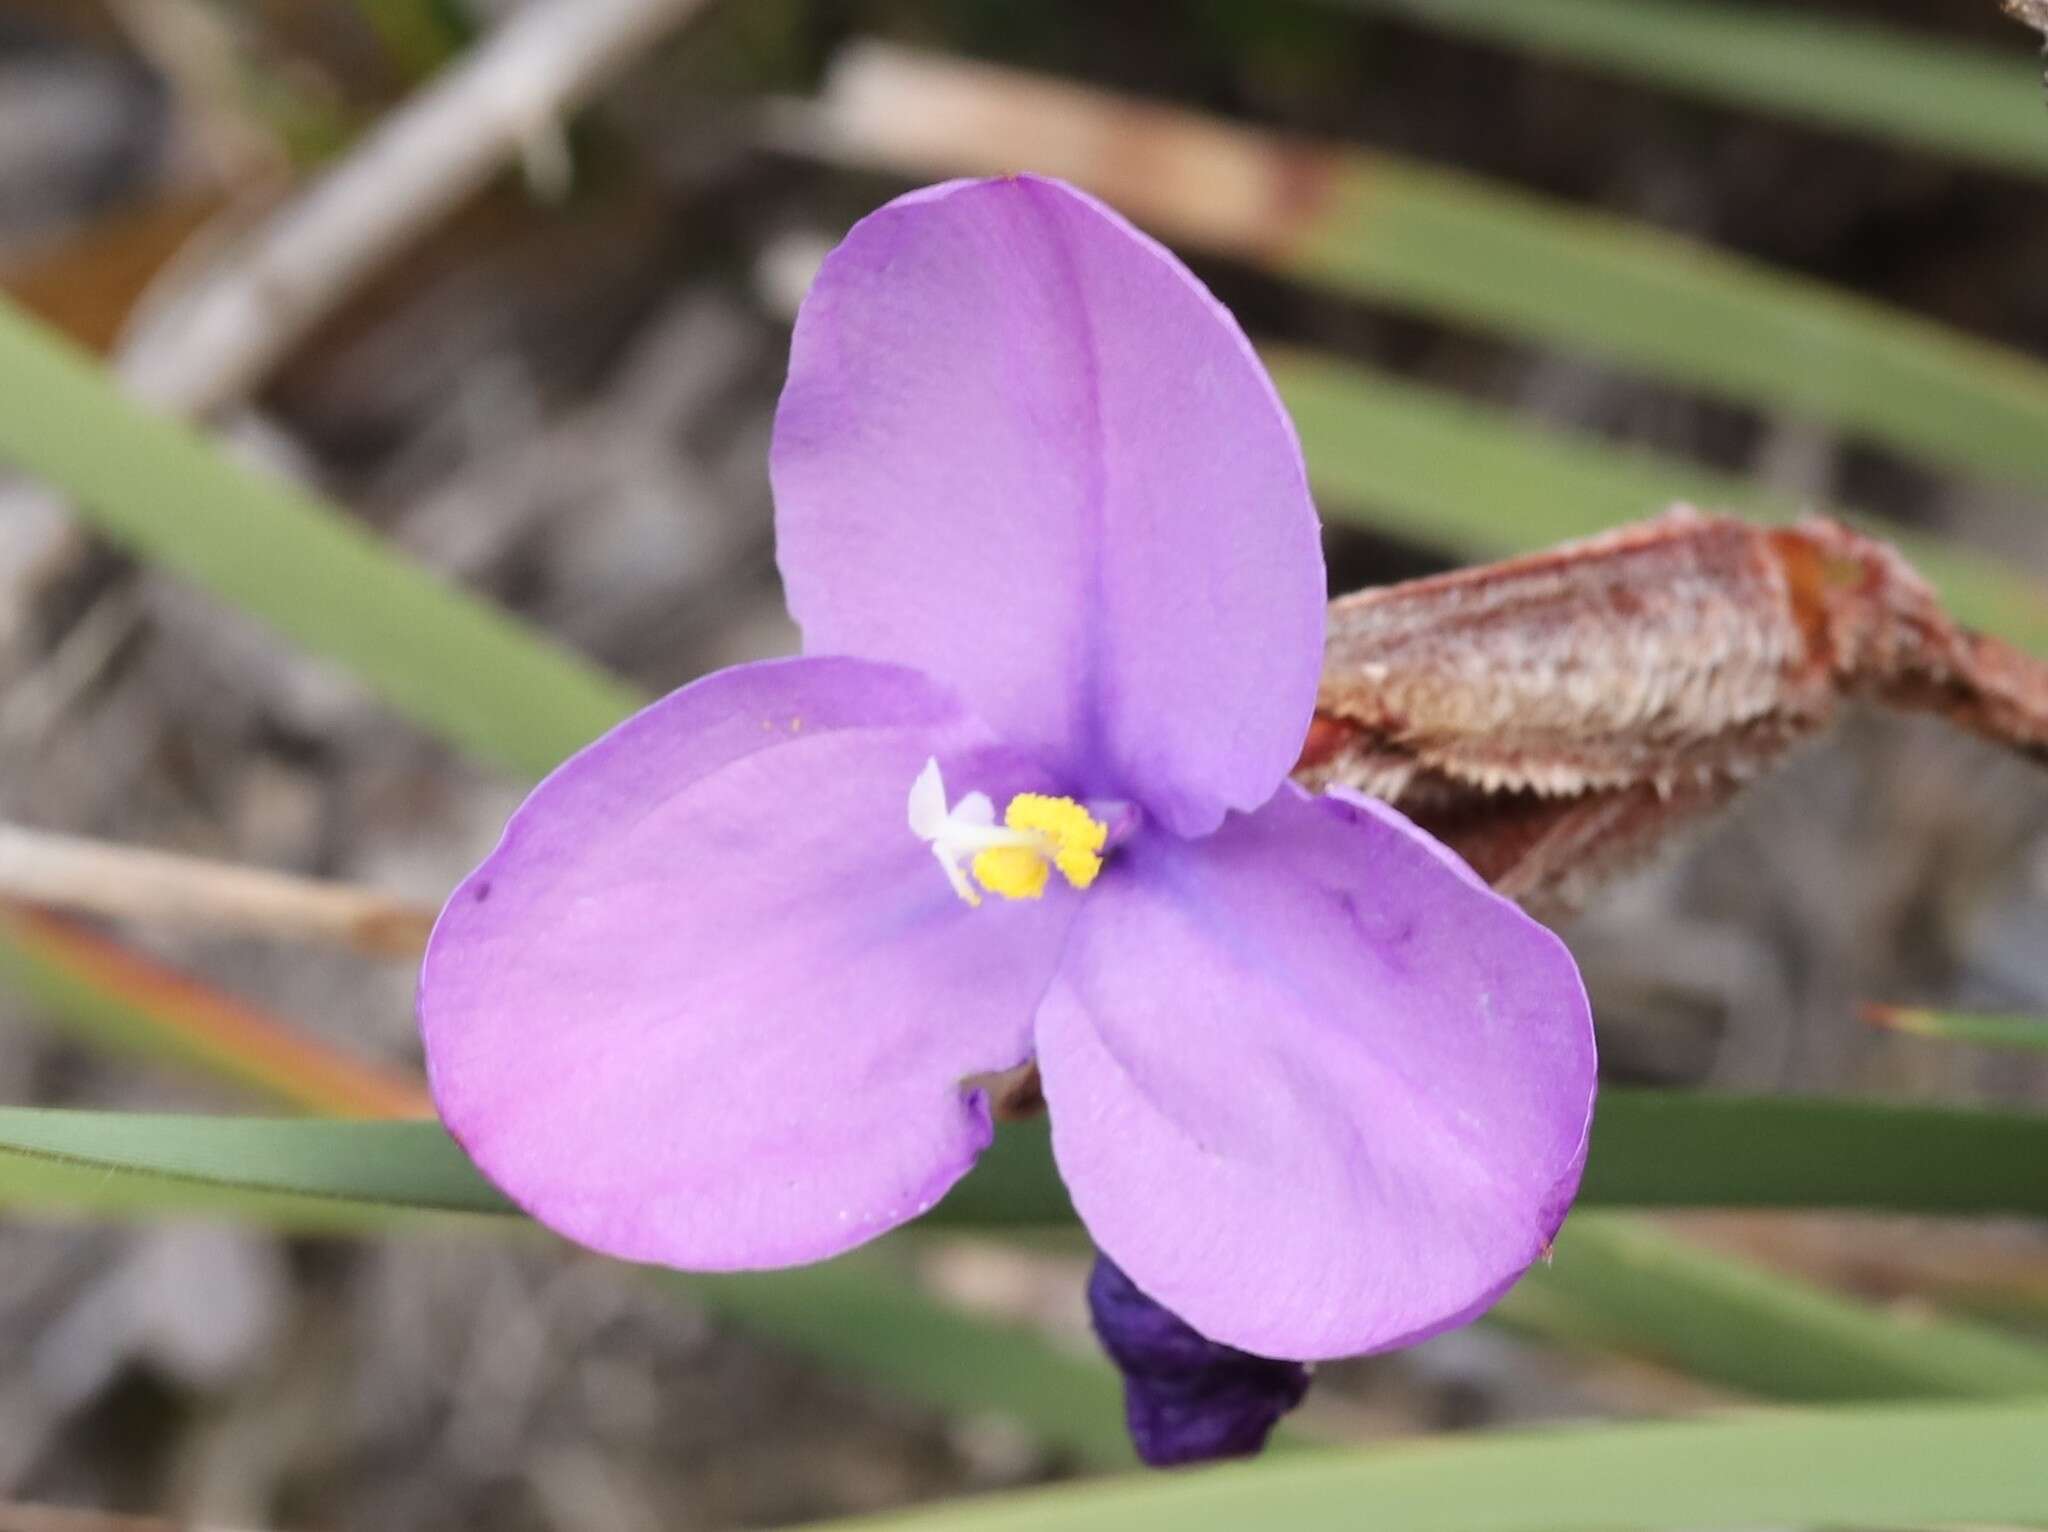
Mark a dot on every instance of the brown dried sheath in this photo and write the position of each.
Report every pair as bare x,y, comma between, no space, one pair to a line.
1553,717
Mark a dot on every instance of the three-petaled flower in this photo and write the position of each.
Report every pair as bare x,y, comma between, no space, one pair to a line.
1047,532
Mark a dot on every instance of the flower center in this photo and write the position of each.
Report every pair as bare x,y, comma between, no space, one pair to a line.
1014,859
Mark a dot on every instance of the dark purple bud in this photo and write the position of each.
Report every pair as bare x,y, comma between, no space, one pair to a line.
1187,1398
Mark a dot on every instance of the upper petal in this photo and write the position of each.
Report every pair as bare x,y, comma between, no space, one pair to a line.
710,1003
1315,1090
1025,451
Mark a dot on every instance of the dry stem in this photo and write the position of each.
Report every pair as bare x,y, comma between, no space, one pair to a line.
215,343
89,877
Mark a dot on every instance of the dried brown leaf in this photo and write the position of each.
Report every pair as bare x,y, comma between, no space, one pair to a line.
1556,717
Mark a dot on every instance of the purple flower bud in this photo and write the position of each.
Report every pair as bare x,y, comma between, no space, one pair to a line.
1188,1399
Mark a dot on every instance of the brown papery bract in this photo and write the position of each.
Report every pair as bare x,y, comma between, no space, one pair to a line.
1554,718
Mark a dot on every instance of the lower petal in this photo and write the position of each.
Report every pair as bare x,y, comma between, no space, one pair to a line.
1312,1087
710,1003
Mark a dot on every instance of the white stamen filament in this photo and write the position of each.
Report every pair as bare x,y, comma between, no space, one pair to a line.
955,834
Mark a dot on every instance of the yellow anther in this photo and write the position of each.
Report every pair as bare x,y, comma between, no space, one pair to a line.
1014,860
1055,830
1015,872
1077,837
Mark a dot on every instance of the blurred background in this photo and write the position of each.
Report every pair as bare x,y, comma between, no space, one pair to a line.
1523,269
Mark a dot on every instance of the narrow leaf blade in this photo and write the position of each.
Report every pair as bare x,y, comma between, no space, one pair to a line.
1894,1466
1627,1285
1459,248
2022,1033
1924,92
1449,471
1650,1149
116,995
412,1165
855,1313
453,663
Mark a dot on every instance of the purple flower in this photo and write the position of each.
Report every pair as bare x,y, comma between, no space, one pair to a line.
1046,529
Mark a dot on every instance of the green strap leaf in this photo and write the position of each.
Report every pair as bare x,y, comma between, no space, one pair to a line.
864,1313
1692,1149
455,665
1925,92
1677,1149
399,1165
1452,472
1650,1149
1477,254
1613,1284
2024,1033
1472,252
1623,1284
1887,1467
118,997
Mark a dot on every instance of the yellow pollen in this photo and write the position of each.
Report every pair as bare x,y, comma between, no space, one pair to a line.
1063,833
1015,872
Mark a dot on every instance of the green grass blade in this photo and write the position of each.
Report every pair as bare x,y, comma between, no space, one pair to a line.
857,1314
1622,1285
411,1165
1889,1467
1650,1149
1612,1284
1469,252
452,663
1472,478
1457,248
1977,104
66,1190
1677,1149
117,997
2025,1033
1469,477
1691,1149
